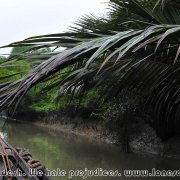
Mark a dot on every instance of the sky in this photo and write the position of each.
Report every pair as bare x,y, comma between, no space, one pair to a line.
20,19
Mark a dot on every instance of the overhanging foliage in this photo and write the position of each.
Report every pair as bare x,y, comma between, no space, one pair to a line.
136,46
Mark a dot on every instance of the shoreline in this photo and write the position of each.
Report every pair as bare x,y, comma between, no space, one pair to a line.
139,138
94,134
145,143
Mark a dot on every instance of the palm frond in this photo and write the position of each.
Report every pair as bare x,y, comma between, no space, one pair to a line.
113,52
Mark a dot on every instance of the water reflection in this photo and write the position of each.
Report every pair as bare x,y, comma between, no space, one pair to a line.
67,151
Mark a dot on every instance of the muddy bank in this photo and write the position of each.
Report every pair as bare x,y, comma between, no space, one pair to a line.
92,131
120,125
141,138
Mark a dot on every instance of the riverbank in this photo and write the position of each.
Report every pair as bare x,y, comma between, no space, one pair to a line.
142,142
92,131
130,130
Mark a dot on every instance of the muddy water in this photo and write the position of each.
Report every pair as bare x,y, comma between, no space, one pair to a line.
71,152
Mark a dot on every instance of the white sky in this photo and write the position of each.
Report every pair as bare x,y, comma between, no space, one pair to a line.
20,19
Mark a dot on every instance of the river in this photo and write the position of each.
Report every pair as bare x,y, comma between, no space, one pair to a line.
71,152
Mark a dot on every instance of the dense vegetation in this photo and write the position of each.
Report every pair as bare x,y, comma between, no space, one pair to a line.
134,48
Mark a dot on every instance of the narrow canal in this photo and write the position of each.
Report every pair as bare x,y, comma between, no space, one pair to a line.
71,152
